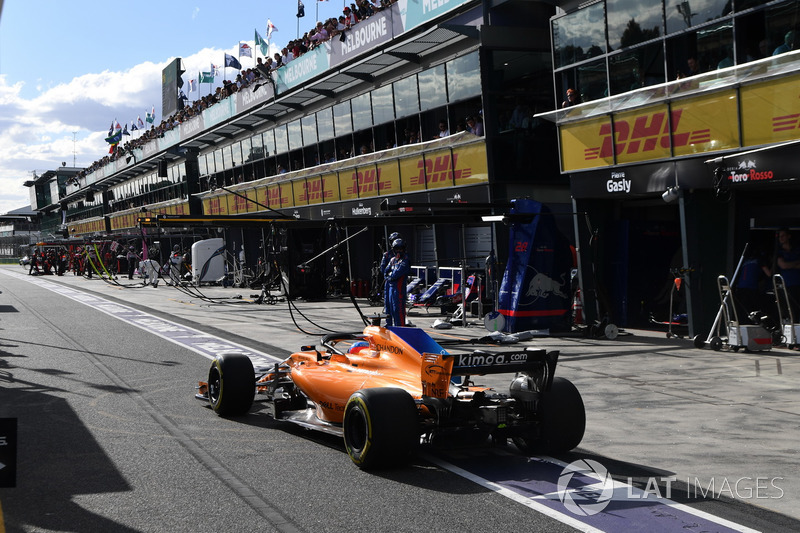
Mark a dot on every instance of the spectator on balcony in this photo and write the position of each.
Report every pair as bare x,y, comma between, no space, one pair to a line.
474,126
573,98
787,46
444,131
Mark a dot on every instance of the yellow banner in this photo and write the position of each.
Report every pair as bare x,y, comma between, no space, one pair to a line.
348,184
124,221
470,164
581,144
367,179
705,123
639,135
438,169
299,191
82,228
412,178
771,111
313,190
261,197
330,188
280,195
388,178
215,206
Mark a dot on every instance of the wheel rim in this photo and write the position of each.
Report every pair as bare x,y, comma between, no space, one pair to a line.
356,431
214,386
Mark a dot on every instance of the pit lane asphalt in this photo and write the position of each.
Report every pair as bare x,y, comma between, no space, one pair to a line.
656,407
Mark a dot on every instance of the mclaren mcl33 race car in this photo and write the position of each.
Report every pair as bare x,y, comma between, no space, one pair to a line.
389,389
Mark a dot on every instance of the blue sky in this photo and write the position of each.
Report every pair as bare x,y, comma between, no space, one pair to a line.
68,68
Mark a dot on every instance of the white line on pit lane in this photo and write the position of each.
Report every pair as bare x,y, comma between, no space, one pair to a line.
209,346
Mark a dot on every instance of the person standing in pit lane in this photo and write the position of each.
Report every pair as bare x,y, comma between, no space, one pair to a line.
385,258
396,275
133,259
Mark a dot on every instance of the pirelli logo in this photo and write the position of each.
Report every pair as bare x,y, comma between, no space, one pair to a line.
645,134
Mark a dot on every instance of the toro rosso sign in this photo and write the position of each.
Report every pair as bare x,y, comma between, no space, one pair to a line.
745,171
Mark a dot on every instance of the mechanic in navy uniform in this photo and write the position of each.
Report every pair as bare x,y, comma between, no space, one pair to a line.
387,256
396,275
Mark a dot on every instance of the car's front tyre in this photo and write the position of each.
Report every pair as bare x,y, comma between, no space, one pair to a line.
231,384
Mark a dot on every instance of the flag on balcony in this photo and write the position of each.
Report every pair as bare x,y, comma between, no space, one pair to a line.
262,45
231,61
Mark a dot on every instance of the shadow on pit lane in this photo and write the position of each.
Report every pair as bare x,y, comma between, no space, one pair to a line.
57,459
81,351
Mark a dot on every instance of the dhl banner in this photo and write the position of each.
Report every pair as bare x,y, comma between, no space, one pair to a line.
771,111
639,135
410,180
280,195
97,225
705,123
465,165
388,178
130,220
469,165
581,142
299,192
348,185
330,187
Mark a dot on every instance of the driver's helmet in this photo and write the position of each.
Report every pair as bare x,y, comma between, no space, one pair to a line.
394,236
398,244
358,346
176,248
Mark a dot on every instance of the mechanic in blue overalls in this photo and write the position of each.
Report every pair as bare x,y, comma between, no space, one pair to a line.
396,275
387,256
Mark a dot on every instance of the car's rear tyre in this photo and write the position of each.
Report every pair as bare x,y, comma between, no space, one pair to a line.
380,427
562,421
231,384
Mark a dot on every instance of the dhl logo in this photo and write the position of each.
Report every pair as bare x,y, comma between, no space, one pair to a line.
786,122
241,204
647,133
313,191
213,206
275,198
440,169
366,182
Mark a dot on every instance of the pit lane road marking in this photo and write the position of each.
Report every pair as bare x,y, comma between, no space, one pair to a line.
205,344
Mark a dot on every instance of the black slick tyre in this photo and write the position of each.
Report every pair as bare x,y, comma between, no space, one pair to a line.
231,384
380,427
562,421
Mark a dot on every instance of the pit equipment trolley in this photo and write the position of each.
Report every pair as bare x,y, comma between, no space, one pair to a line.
790,331
751,337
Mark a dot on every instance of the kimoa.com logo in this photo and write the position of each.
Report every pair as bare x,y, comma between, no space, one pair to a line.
585,499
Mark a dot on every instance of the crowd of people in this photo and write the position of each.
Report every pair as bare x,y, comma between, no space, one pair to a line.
321,32
105,259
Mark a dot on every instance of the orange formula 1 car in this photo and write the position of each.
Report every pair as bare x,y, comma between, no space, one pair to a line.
389,388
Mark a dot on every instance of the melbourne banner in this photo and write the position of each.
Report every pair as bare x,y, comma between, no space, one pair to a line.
535,292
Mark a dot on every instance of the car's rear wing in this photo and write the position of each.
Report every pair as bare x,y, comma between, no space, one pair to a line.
437,369
480,362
